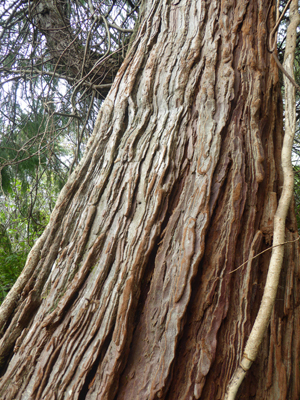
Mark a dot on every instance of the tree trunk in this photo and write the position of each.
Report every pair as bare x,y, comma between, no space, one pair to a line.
129,293
68,53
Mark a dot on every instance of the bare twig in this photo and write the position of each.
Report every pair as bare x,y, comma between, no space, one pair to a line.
264,251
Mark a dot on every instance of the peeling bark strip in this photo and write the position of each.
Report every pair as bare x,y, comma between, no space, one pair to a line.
131,297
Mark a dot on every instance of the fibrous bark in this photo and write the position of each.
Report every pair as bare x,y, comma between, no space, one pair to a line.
271,286
130,295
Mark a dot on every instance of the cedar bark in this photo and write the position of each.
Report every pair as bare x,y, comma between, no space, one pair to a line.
128,293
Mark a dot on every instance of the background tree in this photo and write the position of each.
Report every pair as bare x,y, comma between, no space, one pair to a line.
129,292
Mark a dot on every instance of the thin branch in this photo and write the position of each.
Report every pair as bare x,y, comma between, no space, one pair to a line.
264,251
119,28
23,72
274,30
284,71
67,115
272,46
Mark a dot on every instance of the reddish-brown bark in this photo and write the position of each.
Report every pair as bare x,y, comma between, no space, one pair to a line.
131,296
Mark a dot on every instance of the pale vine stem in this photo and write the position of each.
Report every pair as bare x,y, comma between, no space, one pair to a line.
263,317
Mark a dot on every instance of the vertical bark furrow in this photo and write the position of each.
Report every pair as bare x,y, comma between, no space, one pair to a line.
168,310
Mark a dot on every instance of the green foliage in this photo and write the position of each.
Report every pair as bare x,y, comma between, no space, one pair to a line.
24,150
18,231
11,263
32,174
